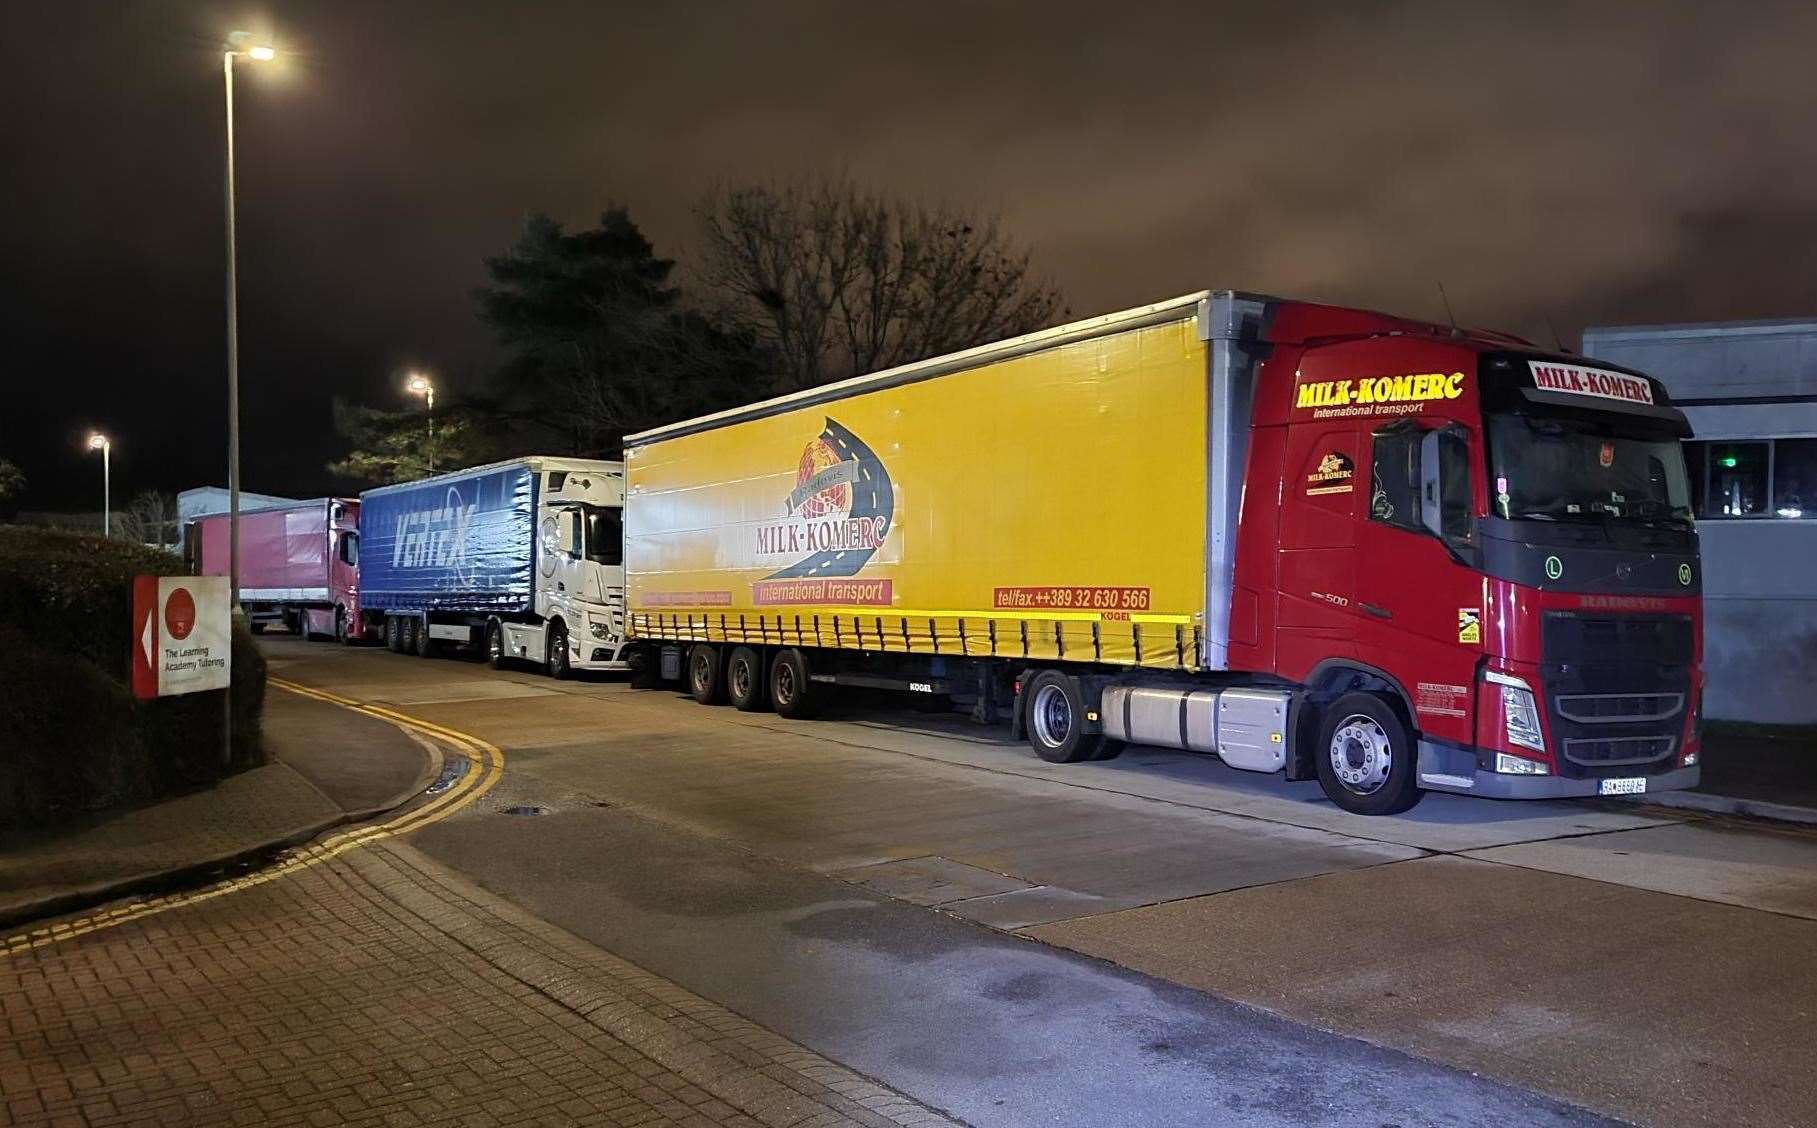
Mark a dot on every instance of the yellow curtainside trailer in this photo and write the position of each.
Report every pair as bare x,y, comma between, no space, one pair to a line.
1046,499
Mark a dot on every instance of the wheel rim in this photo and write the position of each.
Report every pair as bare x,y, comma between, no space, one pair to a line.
340,626
1361,754
741,677
561,650
785,683
701,671
1052,715
495,645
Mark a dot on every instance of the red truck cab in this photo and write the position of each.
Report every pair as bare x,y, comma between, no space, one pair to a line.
299,565
1497,537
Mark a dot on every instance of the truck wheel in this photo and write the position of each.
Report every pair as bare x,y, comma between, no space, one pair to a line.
1366,756
706,674
422,644
1056,719
343,632
557,655
495,644
790,690
394,634
745,680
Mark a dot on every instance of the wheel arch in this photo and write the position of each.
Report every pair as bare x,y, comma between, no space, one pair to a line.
1328,681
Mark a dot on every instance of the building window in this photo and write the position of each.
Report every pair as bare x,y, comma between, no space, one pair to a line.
1771,478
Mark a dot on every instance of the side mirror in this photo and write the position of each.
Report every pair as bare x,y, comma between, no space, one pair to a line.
1432,512
1445,488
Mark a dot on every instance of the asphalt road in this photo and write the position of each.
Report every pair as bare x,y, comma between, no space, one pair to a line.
1154,940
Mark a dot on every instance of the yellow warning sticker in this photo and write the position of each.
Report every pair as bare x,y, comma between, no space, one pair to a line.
1469,625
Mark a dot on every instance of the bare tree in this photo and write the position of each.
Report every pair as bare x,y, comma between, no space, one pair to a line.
150,518
838,280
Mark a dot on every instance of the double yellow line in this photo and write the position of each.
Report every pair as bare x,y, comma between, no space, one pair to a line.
487,768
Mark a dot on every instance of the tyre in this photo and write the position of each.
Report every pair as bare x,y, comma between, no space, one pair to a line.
394,634
343,629
1366,756
422,644
1056,719
557,652
706,675
495,644
745,680
791,693
1108,749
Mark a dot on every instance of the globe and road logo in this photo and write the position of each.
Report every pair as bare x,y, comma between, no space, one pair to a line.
839,512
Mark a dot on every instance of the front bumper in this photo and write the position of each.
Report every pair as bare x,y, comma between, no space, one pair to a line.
1494,785
599,656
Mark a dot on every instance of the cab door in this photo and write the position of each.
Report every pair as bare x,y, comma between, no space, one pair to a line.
1419,593
1321,495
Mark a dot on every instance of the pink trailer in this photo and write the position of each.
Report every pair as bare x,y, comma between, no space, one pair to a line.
298,564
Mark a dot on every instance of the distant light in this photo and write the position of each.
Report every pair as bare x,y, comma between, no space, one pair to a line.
262,54
97,441
418,384
1728,462
1789,511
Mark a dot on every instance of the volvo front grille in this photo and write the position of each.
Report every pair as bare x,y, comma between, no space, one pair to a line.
1613,751
1619,708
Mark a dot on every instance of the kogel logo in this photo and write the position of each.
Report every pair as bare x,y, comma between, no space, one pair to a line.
837,515
435,538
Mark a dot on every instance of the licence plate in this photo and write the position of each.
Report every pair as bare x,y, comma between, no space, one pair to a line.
1634,786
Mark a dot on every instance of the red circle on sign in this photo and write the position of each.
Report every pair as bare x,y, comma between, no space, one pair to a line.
180,614
1606,455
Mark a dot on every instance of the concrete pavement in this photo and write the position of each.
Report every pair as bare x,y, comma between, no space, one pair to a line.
746,856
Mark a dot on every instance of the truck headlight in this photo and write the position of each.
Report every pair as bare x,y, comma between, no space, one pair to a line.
1520,713
600,628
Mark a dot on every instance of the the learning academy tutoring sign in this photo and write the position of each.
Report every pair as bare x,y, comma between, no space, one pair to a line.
181,634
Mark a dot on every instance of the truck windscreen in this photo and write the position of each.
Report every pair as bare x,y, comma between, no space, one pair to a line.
1574,469
605,533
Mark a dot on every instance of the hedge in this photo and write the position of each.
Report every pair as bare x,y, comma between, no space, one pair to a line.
73,739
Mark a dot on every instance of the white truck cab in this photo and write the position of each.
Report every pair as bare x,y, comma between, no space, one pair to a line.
580,577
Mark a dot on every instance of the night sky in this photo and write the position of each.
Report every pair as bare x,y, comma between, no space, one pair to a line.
1574,164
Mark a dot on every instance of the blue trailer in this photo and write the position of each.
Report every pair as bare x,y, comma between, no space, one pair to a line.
521,559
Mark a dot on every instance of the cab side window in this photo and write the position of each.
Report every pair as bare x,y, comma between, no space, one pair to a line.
350,548
1394,479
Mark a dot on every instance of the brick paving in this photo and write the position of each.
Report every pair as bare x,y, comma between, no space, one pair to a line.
378,988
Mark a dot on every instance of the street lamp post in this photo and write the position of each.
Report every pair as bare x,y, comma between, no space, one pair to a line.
420,385
100,442
239,44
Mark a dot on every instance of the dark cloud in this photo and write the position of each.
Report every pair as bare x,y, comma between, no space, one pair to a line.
1568,163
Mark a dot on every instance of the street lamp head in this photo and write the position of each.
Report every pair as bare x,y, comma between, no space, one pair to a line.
418,384
98,441
243,43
